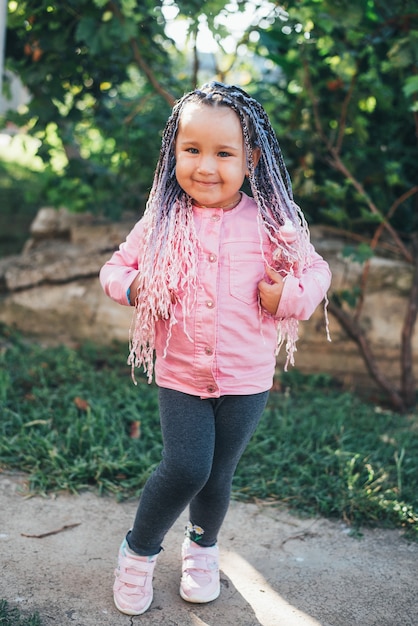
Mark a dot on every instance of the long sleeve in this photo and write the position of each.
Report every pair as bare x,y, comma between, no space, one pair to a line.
302,294
117,275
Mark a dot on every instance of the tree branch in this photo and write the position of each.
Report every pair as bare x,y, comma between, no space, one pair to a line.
343,116
150,74
337,163
340,166
374,243
354,331
196,64
315,107
407,378
140,61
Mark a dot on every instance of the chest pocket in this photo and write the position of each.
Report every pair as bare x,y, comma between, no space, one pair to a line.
245,272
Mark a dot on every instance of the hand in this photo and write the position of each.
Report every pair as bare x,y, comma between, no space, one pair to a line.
134,290
270,293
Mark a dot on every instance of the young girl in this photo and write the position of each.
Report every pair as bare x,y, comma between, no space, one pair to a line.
219,281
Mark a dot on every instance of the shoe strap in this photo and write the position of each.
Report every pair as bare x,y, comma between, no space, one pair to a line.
199,562
131,579
141,571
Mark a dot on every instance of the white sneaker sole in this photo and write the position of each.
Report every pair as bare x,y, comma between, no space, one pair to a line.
128,611
197,600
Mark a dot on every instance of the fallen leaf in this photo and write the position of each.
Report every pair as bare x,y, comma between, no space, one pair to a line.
81,404
135,432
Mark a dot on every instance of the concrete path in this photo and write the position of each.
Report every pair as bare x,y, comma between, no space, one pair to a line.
277,570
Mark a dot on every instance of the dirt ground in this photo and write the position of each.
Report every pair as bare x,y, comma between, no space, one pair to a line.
277,570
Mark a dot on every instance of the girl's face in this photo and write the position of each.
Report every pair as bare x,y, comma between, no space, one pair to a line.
210,155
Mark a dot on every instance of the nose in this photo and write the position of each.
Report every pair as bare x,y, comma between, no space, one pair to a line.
206,164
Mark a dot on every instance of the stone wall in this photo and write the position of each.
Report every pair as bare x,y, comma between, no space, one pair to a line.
52,291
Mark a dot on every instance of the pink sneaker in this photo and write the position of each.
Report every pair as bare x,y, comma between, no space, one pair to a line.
200,579
132,589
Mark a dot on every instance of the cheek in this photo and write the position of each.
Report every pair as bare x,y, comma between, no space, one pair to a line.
178,167
182,172
240,173
182,165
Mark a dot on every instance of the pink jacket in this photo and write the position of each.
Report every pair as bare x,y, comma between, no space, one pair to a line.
231,348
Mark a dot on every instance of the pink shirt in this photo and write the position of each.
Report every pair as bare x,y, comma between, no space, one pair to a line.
232,346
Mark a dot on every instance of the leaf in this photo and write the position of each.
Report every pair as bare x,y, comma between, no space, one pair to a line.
81,404
400,55
349,296
135,430
410,87
86,29
359,254
37,423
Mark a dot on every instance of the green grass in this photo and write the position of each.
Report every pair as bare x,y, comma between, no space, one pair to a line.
11,616
68,417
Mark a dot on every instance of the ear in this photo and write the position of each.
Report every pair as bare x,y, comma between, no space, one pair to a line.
256,158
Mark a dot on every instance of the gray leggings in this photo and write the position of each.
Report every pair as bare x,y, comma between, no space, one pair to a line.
203,442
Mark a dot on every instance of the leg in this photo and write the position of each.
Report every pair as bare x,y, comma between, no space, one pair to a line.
188,429
236,418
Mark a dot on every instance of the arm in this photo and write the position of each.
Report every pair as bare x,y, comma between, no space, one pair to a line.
296,296
120,273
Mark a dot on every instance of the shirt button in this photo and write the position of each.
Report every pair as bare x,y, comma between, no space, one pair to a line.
215,218
208,351
211,388
210,304
213,258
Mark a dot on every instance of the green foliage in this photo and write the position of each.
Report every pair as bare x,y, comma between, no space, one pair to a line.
59,426
326,452
72,419
346,81
11,616
89,101
20,193
338,74
359,254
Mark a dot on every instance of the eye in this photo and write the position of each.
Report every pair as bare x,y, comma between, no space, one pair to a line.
224,154
192,150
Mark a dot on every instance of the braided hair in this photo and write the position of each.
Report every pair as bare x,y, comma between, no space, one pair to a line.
170,245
